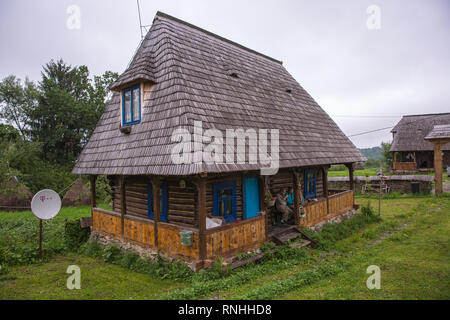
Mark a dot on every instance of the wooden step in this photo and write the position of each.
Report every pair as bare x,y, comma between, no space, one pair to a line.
289,234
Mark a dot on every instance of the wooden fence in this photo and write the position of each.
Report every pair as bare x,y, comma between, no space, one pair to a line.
405,166
317,212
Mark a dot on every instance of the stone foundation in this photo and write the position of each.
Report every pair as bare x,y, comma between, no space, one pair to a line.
345,216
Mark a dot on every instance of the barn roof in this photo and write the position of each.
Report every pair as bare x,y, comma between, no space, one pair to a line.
200,76
410,132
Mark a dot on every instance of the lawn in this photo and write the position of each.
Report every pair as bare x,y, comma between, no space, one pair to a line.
410,245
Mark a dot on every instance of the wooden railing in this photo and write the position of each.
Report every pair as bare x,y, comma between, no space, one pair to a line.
404,166
317,212
222,241
142,232
236,237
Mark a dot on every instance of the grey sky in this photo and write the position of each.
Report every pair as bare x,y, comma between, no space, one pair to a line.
351,71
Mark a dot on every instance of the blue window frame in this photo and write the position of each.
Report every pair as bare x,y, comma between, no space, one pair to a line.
225,200
131,105
163,202
310,183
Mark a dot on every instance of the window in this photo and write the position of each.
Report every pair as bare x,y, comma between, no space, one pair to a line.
131,105
310,183
163,202
225,200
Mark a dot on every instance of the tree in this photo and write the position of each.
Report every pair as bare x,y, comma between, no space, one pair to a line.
387,156
68,109
16,101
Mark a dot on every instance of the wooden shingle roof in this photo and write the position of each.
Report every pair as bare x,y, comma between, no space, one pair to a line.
200,76
410,132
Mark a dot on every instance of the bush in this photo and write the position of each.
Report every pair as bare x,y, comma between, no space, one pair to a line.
367,209
74,235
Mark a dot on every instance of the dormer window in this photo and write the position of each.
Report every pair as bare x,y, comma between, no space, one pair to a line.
131,105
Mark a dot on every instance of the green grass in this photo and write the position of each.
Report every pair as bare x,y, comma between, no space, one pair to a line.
373,172
410,245
99,280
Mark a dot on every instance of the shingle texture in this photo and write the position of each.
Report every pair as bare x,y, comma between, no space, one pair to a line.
410,132
439,132
202,77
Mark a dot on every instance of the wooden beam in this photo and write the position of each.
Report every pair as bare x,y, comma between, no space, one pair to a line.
156,191
263,191
201,212
93,179
350,176
123,203
325,186
438,166
297,196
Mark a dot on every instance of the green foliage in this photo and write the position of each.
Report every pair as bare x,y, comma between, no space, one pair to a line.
372,153
54,121
387,156
300,279
372,163
68,109
367,209
19,235
16,102
163,269
338,167
102,189
333,232
74,235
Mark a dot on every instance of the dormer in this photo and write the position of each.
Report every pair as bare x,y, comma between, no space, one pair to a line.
132,98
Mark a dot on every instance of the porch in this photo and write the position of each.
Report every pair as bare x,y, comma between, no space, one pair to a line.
154,212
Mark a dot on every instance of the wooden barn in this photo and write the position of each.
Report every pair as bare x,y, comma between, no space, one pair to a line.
180,76
411,152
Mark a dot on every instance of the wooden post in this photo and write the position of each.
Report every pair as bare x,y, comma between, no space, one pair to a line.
123,203
201,212
262,192
296,198
438,166
93,179
325,186
350,176
156,190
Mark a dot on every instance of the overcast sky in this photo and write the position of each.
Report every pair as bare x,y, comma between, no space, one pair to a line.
364,78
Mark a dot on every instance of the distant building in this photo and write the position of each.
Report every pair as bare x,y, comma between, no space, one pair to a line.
411,151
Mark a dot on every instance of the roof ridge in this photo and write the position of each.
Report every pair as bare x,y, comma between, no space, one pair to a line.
165,15
425,114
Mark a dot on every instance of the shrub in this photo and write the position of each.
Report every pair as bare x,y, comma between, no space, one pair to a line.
74,235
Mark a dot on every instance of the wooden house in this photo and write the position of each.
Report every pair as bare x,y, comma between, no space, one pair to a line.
182,75
411,152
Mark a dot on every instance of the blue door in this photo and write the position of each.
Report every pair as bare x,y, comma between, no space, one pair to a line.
310,183
225,200
163,202
251,197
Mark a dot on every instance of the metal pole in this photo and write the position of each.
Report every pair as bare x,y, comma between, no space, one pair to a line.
40,239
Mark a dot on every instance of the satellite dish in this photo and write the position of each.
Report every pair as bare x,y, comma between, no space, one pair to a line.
46,204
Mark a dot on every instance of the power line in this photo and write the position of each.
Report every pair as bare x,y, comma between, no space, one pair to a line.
405,124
